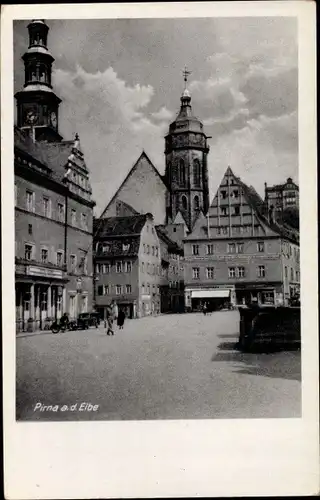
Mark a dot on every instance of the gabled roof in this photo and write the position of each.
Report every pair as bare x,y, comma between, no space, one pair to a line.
179,219
133,169
112,227
53,155
173,247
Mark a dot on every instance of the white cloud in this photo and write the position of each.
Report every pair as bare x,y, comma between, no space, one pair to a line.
163,114
113,124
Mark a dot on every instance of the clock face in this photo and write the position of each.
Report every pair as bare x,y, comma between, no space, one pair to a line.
31,117
53,119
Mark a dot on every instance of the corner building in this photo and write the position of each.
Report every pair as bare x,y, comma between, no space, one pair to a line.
53,205
236,254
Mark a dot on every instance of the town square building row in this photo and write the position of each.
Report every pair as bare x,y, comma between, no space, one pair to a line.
159,245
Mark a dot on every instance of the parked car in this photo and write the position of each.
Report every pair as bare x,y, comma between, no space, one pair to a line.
85,320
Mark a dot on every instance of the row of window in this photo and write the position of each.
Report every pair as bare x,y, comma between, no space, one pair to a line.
103,247
151,250
57,258
237,229
120,267
183,203
293,274
233,272
231,248
119,289
290,250
46,210
233,194
146,288
150,268
235,210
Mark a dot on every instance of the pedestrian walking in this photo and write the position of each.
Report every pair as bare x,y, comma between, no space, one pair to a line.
205,308
121,318
109,320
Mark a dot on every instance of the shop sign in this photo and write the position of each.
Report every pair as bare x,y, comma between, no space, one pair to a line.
44,272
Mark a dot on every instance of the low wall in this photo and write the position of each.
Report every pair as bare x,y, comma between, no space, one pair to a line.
269,327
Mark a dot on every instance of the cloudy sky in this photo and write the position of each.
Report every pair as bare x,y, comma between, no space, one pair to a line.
121,81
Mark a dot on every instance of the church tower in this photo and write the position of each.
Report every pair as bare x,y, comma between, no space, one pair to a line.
37,104
186,174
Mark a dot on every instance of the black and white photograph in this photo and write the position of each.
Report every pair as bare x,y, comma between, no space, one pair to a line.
157,216
157,219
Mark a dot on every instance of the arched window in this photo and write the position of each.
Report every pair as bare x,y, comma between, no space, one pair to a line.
196,173
196,203
184,202
182,173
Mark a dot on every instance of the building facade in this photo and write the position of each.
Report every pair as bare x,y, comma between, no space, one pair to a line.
53,205
127,265
235,254
282,196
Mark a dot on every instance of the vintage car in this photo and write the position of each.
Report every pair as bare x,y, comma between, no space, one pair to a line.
85,320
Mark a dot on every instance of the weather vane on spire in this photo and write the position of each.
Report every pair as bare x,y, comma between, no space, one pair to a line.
186,73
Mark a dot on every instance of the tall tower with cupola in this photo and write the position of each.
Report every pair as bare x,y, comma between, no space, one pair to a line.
37,104
186,174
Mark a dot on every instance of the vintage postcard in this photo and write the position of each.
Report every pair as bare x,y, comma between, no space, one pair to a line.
160,250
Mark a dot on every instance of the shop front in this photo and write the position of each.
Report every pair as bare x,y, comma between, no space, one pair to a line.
39,298
213,298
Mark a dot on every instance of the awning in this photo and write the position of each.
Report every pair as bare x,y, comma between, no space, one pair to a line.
207,294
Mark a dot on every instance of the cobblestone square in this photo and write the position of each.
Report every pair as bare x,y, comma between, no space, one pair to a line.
182,366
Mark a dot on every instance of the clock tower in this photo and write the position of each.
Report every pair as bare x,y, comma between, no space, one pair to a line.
37,104
186,174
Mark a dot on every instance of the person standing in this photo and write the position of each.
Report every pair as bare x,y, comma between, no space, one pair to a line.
109,317
121,318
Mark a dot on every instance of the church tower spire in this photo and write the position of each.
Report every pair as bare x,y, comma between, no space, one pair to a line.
37,103
186,153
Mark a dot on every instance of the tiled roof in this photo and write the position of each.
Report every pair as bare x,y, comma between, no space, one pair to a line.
257,203
120,247
119,226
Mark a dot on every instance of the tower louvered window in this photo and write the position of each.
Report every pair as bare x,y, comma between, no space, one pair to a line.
196,173
182,173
